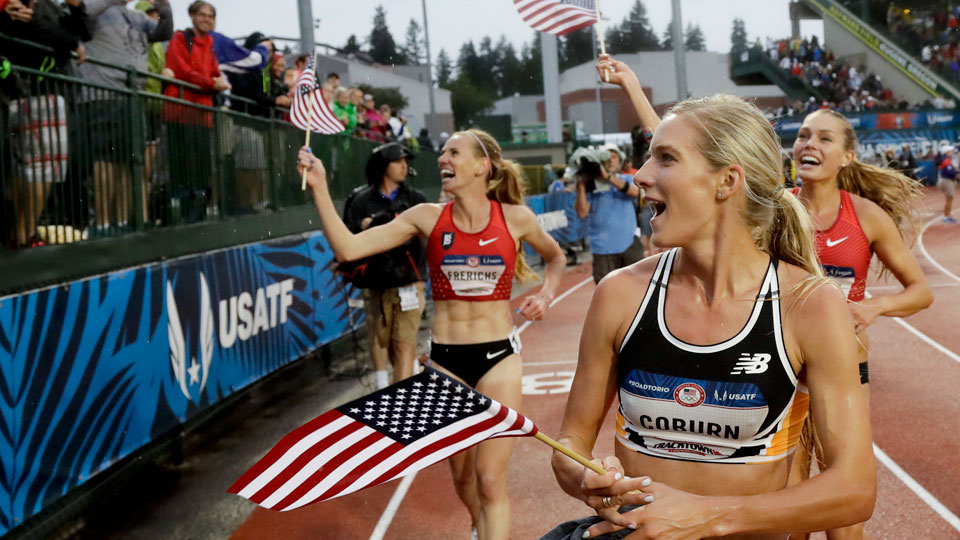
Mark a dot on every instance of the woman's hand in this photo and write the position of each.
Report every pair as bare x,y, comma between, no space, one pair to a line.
672,515
316,173
534,307
615,72
605,493
864,313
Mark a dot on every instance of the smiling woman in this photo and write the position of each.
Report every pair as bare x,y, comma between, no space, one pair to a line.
474,250
716,350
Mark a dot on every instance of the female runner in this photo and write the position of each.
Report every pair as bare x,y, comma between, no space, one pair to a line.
857,210
726,340
473,251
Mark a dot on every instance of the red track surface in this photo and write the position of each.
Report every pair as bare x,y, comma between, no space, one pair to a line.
915,423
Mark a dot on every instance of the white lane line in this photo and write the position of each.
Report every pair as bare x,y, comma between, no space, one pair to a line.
927,255
554,363
566,293
392,507
391,510
915,487
929,341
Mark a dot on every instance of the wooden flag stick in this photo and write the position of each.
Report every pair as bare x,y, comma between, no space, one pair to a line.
306,142
570,453
603,42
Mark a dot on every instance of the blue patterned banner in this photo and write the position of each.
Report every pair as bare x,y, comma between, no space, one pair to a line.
93,370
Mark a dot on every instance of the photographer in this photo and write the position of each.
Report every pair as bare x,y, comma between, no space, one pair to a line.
607,200
392,281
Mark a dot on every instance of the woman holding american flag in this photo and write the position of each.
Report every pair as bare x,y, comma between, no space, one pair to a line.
474,250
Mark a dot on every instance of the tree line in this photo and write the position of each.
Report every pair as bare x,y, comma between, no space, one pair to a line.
485,72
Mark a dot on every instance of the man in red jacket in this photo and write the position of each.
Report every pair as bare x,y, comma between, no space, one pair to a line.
190,55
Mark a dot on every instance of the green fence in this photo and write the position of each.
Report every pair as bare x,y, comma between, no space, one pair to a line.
81,161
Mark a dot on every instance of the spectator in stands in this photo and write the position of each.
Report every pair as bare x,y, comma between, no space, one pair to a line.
278,80
343,109
121,37
424,140
250,74
333,80
907,164
191,57
376,123
62,30
607,200
363,123
947,181
392,282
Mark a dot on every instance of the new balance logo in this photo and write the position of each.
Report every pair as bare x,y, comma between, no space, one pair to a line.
751,364
485,242
831,243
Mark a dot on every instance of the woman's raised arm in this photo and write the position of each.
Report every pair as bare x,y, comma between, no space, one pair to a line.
346,245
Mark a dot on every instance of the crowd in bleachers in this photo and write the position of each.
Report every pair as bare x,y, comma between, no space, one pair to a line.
75,172
931,32
844,86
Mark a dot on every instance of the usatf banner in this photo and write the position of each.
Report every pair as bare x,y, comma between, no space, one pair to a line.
93,370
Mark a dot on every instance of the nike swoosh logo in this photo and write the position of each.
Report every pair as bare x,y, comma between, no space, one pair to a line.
498,353
485,242
831,243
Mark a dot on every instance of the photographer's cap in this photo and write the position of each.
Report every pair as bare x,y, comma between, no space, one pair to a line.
393,151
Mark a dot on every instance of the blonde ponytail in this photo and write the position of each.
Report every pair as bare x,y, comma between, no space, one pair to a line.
505,184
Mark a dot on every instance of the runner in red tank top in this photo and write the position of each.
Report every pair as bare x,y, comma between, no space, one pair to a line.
473,249
856,209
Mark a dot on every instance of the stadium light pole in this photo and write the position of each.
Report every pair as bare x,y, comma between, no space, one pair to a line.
305,11
679,52
551,87
431,124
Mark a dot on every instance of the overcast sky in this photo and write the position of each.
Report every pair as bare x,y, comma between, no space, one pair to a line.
453,22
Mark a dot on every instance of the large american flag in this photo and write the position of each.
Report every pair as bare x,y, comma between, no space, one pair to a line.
559,17
390,433
321,119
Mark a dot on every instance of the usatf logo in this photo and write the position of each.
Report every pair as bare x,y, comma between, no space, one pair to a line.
473,261
689,394
751,364
447,240
241,317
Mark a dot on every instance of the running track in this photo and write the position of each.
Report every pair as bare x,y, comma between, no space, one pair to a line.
915,374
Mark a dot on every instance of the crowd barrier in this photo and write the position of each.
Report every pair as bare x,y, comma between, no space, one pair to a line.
92,371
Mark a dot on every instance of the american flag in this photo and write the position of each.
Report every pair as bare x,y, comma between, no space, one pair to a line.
390,433
559,17
321,119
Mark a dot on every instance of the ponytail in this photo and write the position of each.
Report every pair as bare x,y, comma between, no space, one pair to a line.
896,193
505,184
790,236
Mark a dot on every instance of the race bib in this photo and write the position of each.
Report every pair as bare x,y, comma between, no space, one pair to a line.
409,299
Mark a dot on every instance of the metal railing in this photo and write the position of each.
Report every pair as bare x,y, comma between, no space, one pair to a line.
81,160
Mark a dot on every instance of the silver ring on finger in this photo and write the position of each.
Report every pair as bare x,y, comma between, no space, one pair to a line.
607,502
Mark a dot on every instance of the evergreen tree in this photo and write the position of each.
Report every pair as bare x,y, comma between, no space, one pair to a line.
511,71
415,50
468,101
634,34
531,68
444,69
468,63
738,38
576,48
694,40
352,46
383,49
667,42
488,76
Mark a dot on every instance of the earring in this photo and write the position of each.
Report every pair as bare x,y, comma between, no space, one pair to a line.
719,195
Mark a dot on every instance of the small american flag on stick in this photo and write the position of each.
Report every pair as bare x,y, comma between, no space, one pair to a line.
390,433
558,17
310,111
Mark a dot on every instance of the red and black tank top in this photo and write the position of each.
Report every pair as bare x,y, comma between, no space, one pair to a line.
475,267
844,250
